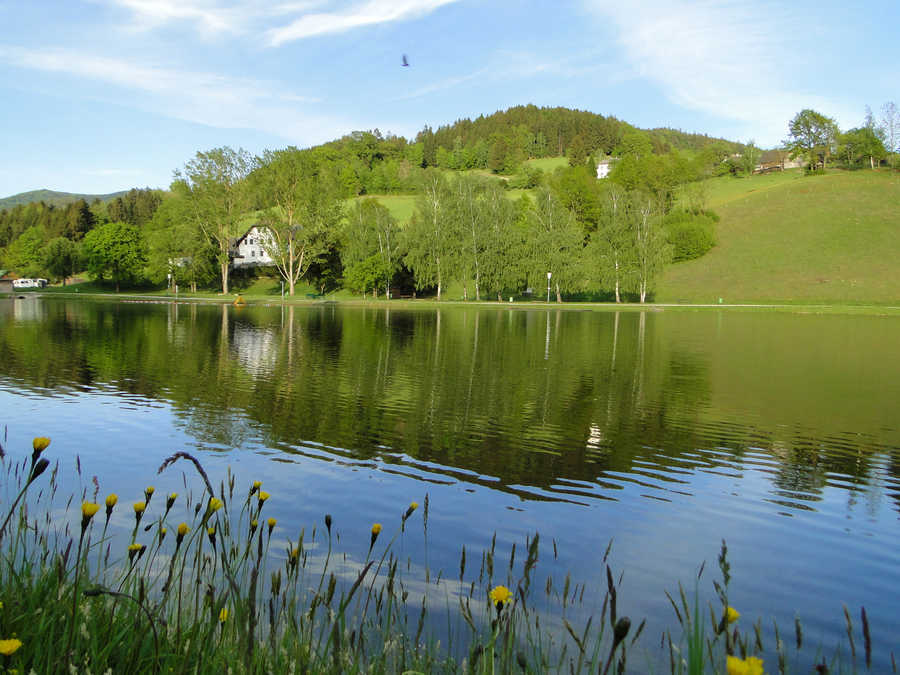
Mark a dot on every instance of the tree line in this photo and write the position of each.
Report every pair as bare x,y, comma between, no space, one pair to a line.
598,238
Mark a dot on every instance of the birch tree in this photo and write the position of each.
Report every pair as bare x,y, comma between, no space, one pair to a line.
215,185
303,212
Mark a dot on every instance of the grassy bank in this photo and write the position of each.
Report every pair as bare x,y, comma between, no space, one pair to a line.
832,239
207,583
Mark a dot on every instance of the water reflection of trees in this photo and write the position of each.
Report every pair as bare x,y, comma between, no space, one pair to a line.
536,398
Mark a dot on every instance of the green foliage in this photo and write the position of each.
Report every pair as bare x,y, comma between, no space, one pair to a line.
60,258
690,234
25,255
305,208
215,186
811,134
370,251
116,250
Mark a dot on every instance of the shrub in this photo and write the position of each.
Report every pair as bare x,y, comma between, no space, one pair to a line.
691,235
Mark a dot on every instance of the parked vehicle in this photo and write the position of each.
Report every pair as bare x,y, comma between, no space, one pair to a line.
29,283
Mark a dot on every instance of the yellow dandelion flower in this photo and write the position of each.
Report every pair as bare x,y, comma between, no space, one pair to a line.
414,505
9,647
111,500
149,490
214,504
271,522
211,530
183,529
39,444
223,615
134,547
749,666
89,509
139,507
263,496
376,529
732,615
499,596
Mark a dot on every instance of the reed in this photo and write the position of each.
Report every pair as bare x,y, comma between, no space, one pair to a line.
212,594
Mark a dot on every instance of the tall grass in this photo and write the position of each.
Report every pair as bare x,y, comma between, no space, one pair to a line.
212,592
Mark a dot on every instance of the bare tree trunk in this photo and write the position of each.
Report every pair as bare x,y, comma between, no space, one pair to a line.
558,296
224,270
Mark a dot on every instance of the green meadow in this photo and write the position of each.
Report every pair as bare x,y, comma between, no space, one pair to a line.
786,237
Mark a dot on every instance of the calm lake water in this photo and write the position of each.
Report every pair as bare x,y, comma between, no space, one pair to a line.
665,431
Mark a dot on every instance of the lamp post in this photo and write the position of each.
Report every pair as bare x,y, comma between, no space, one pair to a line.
549,274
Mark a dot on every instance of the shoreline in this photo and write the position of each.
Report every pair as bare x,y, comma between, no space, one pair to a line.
430,303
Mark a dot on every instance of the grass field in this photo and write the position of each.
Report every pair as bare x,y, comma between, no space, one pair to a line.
547,164
790,238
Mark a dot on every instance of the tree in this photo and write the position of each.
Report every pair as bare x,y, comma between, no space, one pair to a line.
811,134
178,251
25,254
750,157
890,120
60,258
371,247
610,251
856,144
651,252
430,242
555,245
117,249
214,183
303,214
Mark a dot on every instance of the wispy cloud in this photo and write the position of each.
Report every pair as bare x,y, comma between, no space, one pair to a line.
210,17
726,58
206,98
366,14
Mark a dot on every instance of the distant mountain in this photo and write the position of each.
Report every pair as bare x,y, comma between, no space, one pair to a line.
53,198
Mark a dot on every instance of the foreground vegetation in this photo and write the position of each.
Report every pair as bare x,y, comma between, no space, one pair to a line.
219,593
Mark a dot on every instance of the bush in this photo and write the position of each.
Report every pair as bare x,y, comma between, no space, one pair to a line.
691,235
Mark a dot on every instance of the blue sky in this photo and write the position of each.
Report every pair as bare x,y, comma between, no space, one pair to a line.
104,95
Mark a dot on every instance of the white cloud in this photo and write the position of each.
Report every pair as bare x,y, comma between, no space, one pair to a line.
367,14
211,17
728,58
205,98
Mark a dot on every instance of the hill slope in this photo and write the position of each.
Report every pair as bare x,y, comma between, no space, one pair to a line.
53,198
791,238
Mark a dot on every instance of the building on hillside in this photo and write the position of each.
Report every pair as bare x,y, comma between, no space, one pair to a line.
605,165
777,160
250,249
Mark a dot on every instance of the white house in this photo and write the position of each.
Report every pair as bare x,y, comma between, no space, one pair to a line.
249,250
604,166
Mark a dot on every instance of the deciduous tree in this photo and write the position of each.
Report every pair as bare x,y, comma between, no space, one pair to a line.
215,185
303,214
117,250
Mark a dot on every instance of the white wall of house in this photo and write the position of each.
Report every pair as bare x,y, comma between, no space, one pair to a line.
603,169
250,249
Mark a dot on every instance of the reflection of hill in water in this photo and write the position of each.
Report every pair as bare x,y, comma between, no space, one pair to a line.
547,404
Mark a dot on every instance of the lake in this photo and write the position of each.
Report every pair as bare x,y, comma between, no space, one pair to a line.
663,431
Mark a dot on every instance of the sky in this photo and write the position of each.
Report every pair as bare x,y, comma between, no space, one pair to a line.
104,95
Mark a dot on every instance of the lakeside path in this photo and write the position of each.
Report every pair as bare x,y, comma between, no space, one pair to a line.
250,300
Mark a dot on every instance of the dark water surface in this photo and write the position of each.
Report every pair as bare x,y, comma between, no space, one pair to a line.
665,431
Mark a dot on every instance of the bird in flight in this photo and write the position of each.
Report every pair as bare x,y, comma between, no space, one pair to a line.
405,61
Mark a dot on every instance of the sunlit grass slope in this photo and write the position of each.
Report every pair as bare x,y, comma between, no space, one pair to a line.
790,238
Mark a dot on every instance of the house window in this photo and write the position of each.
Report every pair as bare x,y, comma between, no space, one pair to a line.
253,252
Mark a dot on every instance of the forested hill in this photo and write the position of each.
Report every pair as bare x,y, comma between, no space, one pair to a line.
552,132
53,198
